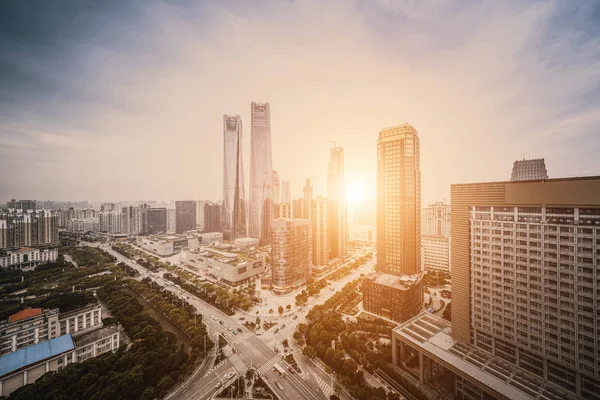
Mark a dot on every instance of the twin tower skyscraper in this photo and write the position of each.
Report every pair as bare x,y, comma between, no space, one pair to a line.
260,209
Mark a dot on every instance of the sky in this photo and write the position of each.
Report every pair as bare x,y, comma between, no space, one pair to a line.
123,100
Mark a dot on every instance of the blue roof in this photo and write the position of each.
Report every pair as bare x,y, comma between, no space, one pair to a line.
37,352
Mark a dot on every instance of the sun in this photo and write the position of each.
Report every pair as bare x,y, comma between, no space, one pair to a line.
355,192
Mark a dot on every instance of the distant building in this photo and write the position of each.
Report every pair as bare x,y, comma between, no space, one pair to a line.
320,235
436,220
363,233
83,225
157,220
286,194
171,220
283,210
24,205
224,263
246,243
529,170
212,217
308,197
397,293
28,228
338,210
200,214
233,209
261,173
27,258
299,209
276,187
134,219
436,253
208,238
163,245
367,212
291,254
185,216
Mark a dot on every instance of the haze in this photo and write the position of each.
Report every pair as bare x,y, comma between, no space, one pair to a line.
103,101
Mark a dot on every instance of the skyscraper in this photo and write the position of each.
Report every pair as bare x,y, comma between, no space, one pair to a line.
436,219
233,209
338,211
395,292
435,237
525,259
157,220
286,195
308,195
212,217
320,235
261,173
185,216
276,187
527,170
291,254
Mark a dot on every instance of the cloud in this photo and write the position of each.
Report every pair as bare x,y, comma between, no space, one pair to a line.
136,94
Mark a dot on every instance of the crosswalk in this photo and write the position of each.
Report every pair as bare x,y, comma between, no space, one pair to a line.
210,371
327,390
268,365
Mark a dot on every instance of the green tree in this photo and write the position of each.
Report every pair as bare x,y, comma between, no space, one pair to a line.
165,383
309,352
280,309
148,394
349,367
288,307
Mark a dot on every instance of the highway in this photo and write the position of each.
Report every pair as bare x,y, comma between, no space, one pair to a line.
247,351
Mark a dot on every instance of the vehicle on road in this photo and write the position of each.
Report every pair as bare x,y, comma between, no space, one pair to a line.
275,331
239,330
282,326
279,386
235,333
218,385
222,323
228,328
242,318
295,317
278,368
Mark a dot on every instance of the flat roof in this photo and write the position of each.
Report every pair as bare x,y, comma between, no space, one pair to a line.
91,336
21,358
573,178
398,282
433,335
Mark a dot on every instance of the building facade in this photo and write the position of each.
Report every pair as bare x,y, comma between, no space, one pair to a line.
23,205
261,173
436,220
110,221
320,234
233,208
185,216
527,170
436,253
26,258
398,227
283,210
338,209
276,187
291,254
157,220
525,315
212,217
28,228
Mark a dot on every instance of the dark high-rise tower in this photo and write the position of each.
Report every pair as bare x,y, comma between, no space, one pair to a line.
185,216
233,209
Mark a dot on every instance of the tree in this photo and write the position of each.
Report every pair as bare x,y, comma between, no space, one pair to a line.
271,311
148,394
288,307
309,352
165,383
349,367
280,309
329,356
447,314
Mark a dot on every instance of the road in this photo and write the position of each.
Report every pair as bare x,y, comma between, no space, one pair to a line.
247,350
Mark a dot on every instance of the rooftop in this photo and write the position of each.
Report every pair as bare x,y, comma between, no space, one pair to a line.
433,335
574,178
26,313
398,282
21,358
88,337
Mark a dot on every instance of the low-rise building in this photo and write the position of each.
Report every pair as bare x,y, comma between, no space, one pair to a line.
27,364
396,298
222,263
246,243
27,258
212,237
163,245
34,325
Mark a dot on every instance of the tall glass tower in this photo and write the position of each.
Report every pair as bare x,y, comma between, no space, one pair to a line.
261,173
233,211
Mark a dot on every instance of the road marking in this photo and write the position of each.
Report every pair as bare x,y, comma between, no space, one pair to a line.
268,365
327,390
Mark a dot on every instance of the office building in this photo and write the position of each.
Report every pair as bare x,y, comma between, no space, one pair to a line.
261,173
276,187
291,254
524,301
171,219
398,227
298,210
527,170
212,217
308,197
233,209
185,216
27,258
436,219
338,213
157,220
283,210
28,228
200,214
224,263
320,235
24,205
286,194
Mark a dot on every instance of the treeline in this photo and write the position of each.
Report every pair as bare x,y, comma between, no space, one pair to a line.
217,296
90,256
148,370
179,311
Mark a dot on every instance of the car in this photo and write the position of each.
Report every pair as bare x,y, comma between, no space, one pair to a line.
282,326
295,317
239,330
291,369
212,316
235,333
228,328
276,330
218,385
242,318
221,322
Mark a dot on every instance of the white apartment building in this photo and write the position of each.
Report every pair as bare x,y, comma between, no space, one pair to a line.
110,221
436,253
84,225
35,325
436,220
27,258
